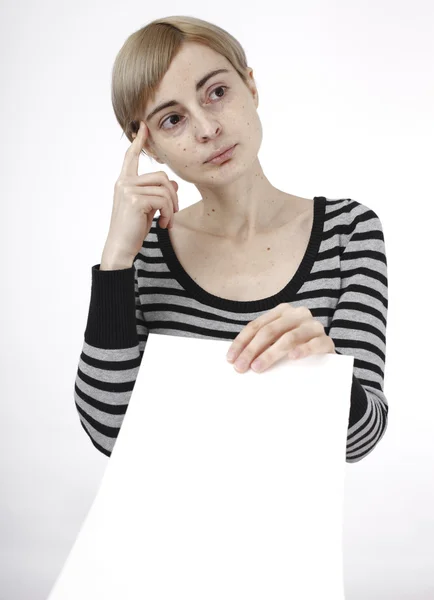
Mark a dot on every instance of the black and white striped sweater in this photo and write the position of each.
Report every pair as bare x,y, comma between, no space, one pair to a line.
342,279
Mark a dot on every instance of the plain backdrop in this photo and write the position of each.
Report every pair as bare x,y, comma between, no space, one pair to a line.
346,100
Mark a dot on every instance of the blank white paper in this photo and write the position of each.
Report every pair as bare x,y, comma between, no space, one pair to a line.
221,485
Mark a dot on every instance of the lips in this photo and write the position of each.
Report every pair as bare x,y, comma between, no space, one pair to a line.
221,151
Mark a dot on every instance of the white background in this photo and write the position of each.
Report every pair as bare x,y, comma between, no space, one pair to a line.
346,100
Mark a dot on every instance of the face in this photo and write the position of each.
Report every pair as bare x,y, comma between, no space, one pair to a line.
223,112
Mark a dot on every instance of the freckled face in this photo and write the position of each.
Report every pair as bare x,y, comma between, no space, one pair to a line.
222,112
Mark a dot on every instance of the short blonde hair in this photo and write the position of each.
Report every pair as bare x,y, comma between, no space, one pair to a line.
146,55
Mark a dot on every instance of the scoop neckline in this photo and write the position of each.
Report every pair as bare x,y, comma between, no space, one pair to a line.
286,294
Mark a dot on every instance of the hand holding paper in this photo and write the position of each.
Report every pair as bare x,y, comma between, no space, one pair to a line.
284,331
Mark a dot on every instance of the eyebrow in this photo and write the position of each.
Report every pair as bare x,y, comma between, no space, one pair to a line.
199,84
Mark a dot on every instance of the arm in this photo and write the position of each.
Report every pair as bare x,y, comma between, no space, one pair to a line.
358,328
114,342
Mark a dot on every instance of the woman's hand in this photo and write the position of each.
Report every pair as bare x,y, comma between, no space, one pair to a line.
276,334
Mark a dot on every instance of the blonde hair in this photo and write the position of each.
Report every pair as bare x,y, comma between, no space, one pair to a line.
146,55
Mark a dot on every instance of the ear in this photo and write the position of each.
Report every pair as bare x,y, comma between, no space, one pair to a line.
252,85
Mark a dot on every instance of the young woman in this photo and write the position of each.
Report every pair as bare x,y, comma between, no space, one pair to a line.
274,272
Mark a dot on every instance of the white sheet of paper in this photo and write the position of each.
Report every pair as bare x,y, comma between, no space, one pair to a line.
221,485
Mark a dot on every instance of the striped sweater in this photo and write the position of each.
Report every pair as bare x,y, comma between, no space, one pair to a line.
342,279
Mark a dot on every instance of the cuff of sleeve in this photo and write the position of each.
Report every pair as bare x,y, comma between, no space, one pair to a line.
111,322
359,400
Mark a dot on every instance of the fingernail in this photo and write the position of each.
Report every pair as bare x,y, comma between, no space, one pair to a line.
230,355
240,364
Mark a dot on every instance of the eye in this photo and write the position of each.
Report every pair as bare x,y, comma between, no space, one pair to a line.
225,87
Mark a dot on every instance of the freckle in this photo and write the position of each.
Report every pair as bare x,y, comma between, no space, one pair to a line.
207,214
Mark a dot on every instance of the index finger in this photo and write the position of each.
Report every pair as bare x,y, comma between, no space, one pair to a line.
130,166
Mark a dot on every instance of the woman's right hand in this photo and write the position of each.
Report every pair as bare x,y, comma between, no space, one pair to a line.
136,200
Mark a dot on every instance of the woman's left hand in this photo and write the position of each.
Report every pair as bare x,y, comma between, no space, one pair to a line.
277,333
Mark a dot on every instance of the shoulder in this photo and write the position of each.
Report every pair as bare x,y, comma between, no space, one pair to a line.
351,212
354,225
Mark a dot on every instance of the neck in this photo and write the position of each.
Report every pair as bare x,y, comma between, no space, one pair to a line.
241,208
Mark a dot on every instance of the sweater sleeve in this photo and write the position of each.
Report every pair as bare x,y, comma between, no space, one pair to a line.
358,328
114,343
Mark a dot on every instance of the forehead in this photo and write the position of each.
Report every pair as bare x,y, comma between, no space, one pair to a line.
191,63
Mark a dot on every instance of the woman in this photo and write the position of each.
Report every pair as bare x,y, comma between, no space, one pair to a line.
274,272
